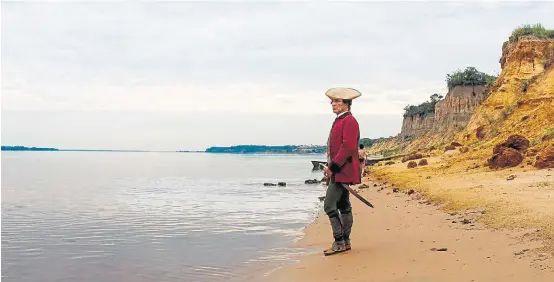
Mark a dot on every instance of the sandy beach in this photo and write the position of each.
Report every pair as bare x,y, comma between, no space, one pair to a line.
469,195
408,237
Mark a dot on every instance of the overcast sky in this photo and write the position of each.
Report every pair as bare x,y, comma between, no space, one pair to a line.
170,76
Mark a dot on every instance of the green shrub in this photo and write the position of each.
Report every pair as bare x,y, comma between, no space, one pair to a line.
510,109
368,142
424,108
549,131
470,76
524,85
536,30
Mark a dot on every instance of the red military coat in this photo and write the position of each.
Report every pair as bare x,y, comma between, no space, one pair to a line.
342,150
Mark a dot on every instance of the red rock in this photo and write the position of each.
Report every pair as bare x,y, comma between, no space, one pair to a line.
423,162
449,148
498,148
480,132
413,156
517,142
545,159
506,157
412,164
456,144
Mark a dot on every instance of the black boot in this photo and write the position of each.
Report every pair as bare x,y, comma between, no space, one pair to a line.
347,221
338,244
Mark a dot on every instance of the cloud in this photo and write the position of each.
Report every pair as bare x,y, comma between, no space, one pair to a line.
245,98
175,130
245,57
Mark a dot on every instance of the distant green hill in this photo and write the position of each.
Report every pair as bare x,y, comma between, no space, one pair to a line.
23,148
284,149
257,149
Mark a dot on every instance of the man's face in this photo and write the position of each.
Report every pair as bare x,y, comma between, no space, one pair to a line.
338,106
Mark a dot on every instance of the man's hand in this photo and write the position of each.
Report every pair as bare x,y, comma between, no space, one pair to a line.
327,172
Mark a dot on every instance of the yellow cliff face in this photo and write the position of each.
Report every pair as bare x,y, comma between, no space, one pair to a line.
521,101
522,98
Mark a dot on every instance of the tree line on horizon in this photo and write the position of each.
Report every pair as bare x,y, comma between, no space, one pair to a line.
23,148
251,149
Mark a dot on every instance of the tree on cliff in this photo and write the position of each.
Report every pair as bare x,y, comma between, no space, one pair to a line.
424,108
436,97
469,77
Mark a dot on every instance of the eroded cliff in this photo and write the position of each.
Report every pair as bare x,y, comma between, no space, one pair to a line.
417,125
454,112
520,101
522,98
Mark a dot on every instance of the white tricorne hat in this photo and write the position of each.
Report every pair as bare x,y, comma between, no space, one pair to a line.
343,93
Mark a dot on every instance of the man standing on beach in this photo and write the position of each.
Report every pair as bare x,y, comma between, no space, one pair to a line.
343,167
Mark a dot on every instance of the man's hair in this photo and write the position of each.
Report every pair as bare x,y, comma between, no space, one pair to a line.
361,146
347,102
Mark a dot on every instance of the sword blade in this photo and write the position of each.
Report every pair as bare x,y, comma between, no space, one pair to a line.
357,195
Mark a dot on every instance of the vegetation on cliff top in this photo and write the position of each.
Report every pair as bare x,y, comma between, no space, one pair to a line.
424,108
536,30
469,77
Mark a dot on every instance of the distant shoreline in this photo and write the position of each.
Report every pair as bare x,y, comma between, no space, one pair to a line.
35,149
23,148
139,151
264,149
236,150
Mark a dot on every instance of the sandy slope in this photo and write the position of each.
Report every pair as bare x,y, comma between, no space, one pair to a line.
393,242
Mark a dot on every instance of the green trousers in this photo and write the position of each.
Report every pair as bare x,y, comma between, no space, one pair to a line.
337,199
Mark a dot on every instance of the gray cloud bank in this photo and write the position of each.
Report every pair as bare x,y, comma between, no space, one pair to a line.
223,59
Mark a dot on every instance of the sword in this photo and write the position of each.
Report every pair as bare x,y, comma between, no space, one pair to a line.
357,195
347,187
